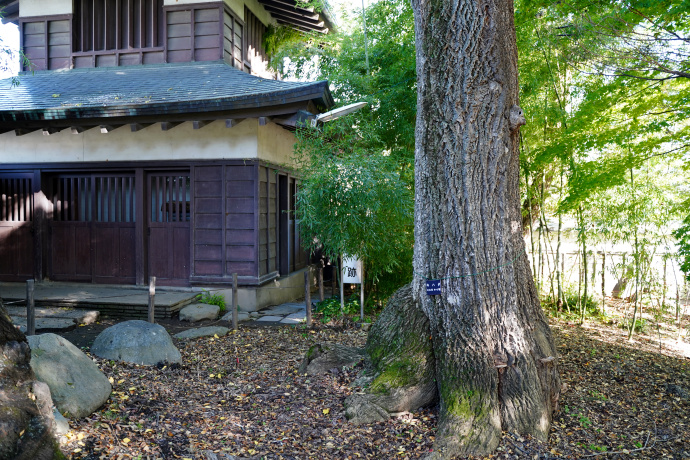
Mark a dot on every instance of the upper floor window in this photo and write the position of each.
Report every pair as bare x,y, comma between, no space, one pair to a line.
101,25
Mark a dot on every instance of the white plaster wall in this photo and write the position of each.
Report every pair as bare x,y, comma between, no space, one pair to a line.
276,145
214,141
29,8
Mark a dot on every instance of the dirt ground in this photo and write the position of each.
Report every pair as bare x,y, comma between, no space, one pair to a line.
241,395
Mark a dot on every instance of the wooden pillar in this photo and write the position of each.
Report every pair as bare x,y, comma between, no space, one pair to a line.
307,295
140,226
234,301
152,299
39,222
30,310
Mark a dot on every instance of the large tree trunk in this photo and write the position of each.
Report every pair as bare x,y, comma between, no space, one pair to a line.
26,416
494,352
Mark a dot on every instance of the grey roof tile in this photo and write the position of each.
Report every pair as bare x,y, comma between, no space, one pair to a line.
126,91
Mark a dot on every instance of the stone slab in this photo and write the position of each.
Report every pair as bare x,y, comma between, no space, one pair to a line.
281,310
295,318
209,331
78,316
46,324
270,319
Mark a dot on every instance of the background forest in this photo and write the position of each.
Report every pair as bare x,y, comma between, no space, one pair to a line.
605,153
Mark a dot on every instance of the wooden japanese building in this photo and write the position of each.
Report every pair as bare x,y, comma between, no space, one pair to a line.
147,138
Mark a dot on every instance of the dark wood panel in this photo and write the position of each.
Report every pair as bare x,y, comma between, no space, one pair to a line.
113,248
240,253
61,51
206,28
71,251
240,236
240,173
239,188
239,205
179,17
59,39
153,57
208,205
240,221
208,267
180,56
38,27
206,42
208,173
62,26
209,221
207,252
16,251
207,15
108,60
178,44
241,268
208,189
59,63
208,54
179,30
83,62
203,236
130,59
34,40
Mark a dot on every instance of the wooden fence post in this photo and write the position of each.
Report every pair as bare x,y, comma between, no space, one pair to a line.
234,301
152,299
30,310
320,275
307,295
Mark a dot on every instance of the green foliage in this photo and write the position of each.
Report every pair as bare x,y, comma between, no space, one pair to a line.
682,234
352,199
640,325
330,308
212,299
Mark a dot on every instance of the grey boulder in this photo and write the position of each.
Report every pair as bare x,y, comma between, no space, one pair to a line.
136,342
77,385
198,312
323,358
209,331
241,316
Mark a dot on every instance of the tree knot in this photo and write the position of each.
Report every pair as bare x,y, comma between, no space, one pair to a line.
516,117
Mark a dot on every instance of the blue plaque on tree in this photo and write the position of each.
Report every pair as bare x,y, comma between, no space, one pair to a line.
433,287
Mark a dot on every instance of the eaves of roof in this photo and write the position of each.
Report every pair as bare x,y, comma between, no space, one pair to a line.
159,92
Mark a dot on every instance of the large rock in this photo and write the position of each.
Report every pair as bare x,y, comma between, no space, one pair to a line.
241,316
322,358
136,342
198,312
76,383
25,417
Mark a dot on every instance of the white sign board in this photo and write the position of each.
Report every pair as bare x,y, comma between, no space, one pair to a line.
352,270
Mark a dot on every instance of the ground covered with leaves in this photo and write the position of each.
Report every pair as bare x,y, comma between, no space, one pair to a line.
241,395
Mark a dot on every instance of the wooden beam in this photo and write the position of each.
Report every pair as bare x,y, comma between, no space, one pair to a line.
294,19
201,123
80,129
168,125
24,131
105,129
232,122
51,130
271,6
263,121
139,126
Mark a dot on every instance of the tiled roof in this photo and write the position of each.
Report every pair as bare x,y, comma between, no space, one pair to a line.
148,90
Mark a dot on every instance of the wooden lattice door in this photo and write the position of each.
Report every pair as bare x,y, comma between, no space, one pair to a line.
168,227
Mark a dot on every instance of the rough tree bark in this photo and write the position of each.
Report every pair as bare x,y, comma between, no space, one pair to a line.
468,229
491,351
26,416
